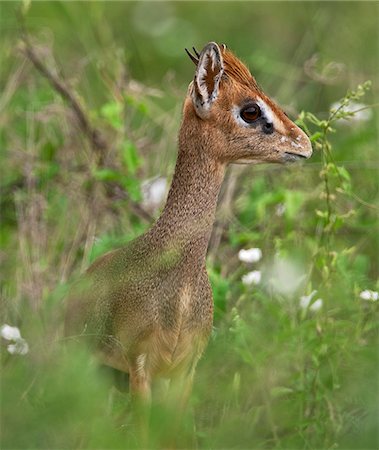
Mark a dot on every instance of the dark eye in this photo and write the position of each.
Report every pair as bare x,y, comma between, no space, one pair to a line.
251,113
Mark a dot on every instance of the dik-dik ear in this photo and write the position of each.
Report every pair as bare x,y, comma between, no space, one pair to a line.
207,79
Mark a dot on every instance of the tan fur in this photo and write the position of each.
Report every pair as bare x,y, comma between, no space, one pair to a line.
235,69
148,307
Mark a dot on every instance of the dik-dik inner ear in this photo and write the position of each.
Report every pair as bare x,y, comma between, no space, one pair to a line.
207,79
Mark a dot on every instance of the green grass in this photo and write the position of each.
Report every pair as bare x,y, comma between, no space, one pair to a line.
275,375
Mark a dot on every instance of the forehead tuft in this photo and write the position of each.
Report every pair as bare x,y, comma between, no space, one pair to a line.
235,69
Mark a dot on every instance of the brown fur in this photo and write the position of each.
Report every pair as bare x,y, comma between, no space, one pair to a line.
149,304
235,69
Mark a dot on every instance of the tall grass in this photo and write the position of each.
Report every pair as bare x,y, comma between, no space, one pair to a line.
292,362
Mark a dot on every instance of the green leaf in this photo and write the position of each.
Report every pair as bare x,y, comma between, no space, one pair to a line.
346,186
130,157
112,112
132,186
293,201
338,223
26,6
322,214
220,289
313,119
48,151
138,105
316,136
47,172
280,391
106,175
344,173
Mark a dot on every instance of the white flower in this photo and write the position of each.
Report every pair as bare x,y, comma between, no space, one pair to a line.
20,347
253,277
153,192
285,276
280,209
250,255
316,306
306,299
369,295
360,116
10,333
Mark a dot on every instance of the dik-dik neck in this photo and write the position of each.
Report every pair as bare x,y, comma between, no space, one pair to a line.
187,219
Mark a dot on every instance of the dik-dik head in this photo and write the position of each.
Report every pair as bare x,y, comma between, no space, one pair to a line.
229,107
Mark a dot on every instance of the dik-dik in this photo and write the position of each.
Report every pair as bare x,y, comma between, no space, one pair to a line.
149,304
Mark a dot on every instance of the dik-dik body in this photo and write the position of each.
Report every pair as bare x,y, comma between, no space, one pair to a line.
149,305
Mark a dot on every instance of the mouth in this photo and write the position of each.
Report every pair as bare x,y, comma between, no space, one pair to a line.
293,157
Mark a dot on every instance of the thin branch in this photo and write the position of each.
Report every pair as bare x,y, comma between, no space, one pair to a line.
95,137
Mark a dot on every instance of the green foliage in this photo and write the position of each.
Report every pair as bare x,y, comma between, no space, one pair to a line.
336,179
279,371
113,113
220,287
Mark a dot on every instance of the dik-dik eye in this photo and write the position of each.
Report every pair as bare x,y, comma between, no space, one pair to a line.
251,113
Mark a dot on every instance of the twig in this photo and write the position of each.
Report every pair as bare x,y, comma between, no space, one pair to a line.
95,137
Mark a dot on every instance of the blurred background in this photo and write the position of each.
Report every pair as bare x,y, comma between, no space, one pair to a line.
293,358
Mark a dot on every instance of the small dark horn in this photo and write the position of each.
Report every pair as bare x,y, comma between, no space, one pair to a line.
193,59
196,52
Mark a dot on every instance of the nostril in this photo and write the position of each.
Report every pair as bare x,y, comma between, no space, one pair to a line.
268,127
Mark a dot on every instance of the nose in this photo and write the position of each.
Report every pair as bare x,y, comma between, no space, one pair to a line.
268,127
305,145
297,146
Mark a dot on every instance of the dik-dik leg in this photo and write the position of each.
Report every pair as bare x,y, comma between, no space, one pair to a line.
181,388
179,395
140,390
